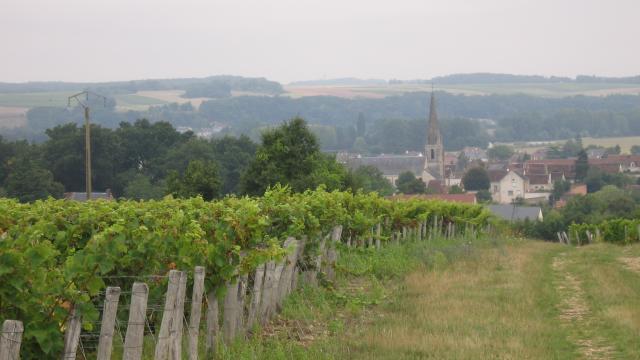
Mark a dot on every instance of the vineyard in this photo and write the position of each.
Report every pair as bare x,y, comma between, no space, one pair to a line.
61,260
617,231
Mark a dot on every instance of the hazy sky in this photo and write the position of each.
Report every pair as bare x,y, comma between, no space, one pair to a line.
288,40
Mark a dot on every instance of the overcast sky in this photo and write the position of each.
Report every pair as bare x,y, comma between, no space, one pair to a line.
287,40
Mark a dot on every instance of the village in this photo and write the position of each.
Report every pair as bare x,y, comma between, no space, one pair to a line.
517,184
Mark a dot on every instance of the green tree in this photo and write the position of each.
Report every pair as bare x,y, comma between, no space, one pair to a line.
7,152
572,148
29,181
64,156
200,178
143,142
141,188
582,166
369,178
476,179
234,156
635,150
407,183
290,155
455,189
500,152
614,150
560,187
484,196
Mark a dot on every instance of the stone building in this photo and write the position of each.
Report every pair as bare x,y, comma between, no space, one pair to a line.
434,149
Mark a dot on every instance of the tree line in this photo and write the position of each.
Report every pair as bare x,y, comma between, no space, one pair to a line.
393,124
145,160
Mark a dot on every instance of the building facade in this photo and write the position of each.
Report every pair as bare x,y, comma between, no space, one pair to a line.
507,186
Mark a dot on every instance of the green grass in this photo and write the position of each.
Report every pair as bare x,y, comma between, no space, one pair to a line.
611,290
339,321
60,99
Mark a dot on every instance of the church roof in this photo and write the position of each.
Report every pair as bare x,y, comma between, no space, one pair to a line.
390,164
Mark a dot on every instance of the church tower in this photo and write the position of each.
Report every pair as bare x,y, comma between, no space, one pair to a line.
434,150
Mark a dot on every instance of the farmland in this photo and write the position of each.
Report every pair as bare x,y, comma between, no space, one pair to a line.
625,142
12,117
171,96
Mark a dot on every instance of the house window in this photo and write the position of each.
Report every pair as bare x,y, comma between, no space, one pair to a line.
495,188
433,154
510,192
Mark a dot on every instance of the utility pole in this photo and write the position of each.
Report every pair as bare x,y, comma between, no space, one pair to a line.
87,134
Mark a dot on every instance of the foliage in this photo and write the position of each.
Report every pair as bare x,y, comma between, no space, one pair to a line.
290,155
476,179
54,253
500,152
516,117
28,181
596,179
369,178
484,196
141,188
582,166
199,179
408,183
609,205
560,187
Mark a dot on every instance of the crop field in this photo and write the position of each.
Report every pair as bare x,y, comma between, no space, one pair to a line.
136,102
171,96
12,117
29,100
625,142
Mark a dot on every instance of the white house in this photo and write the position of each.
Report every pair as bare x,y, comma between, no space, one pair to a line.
507,186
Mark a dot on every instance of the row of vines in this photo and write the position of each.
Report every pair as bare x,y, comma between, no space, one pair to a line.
55,253
619,231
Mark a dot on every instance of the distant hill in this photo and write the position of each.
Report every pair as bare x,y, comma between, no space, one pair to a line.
491,78
195,85
339,82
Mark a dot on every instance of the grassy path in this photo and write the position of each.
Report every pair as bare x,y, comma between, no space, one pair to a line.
526,300
505,300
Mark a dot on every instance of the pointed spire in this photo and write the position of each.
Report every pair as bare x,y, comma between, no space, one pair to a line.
433,135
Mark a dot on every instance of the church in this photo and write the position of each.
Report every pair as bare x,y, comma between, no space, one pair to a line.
427,166
434,149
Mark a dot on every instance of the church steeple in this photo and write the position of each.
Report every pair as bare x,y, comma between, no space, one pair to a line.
434,149
433,135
